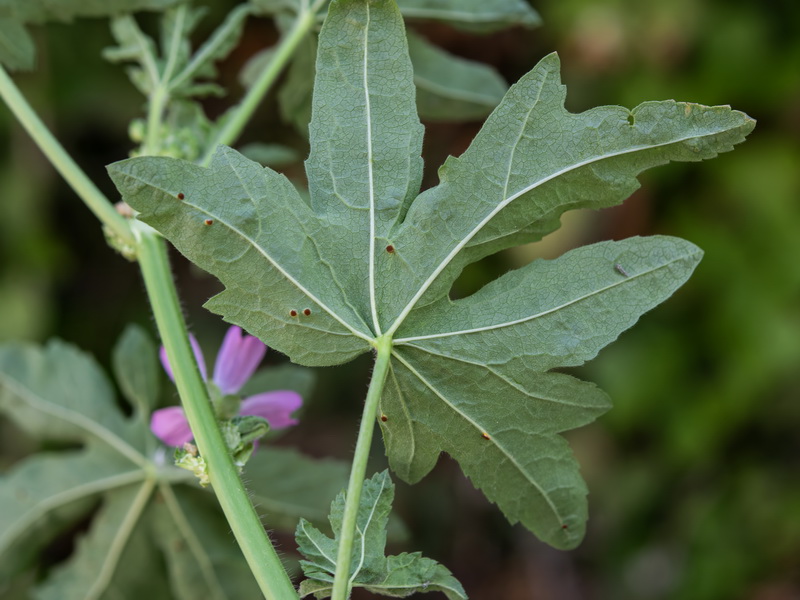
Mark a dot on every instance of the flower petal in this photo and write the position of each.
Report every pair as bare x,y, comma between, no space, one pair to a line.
170,426
198,356
238,358
275,407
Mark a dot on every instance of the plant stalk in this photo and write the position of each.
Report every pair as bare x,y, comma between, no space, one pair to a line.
63,162
242,517
341,582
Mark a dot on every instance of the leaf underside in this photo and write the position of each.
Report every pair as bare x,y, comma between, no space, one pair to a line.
367,256
397,576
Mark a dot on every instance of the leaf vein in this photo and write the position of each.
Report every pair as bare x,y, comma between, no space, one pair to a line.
481,430
503,204
499,375
626,280
71,416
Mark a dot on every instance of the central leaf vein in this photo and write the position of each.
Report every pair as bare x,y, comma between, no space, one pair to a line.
370,175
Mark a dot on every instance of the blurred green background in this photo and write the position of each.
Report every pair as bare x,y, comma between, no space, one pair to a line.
695,473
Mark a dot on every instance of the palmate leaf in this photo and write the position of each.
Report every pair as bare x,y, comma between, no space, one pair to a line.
397,576
363,258
145,516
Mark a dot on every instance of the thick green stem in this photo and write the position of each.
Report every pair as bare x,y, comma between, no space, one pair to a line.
244,111
342,583
69,170
241,516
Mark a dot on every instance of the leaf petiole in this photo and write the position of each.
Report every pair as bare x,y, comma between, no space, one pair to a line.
342,579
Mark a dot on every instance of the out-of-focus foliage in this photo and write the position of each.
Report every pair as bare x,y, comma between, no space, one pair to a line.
17,50
143,515
697,491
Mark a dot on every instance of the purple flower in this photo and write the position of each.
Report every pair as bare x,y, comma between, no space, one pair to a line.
238,358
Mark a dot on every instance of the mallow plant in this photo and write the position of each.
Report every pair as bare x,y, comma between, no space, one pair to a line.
353,261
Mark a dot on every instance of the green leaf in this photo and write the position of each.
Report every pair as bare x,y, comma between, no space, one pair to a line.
270,155
176,70
136,369
412,573
548,314
134,45
296,93
49,394
396,576
450,88
249,73
201,559
533,161
99,564
479,16
59,393
322,338
368,260
17,51
287,485
47,492
174,75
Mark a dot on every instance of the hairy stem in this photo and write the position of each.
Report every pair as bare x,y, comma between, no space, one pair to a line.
242,517
244,111
341,583
63,162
